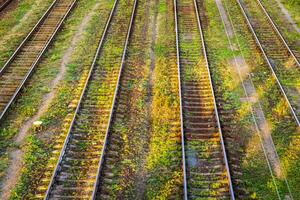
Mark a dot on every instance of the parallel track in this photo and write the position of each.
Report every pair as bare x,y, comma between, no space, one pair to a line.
207,171
249,91
77,171
4,3
17,70
97,195
128,113
278,33
287,28
279,57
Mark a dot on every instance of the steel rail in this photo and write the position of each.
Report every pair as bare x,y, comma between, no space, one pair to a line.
3,5
278,32
232,196
180,104
47,195
32,67
268,62
114,99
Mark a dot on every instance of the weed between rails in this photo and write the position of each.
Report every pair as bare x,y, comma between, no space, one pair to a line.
283,63
163,162
287,30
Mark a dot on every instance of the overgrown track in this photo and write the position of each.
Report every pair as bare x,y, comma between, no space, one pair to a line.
4,3
207,169
17,70
127,114
280,58
76,173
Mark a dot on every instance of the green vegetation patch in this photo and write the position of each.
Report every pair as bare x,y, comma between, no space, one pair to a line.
293,7
164,157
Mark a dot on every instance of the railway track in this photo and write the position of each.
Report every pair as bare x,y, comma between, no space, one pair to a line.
17,70
279,57
286,27
207,169
4,3
279,35
76,174
128,137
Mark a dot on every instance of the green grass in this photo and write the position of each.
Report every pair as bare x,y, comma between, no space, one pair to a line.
35,154
293,7
14,17
163,161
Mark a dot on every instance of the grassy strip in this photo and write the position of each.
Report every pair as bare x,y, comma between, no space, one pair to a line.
15,25
252,163
293,6
283,129
163,162
66,95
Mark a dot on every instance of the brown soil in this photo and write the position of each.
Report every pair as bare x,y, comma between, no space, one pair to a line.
205,20
15,164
